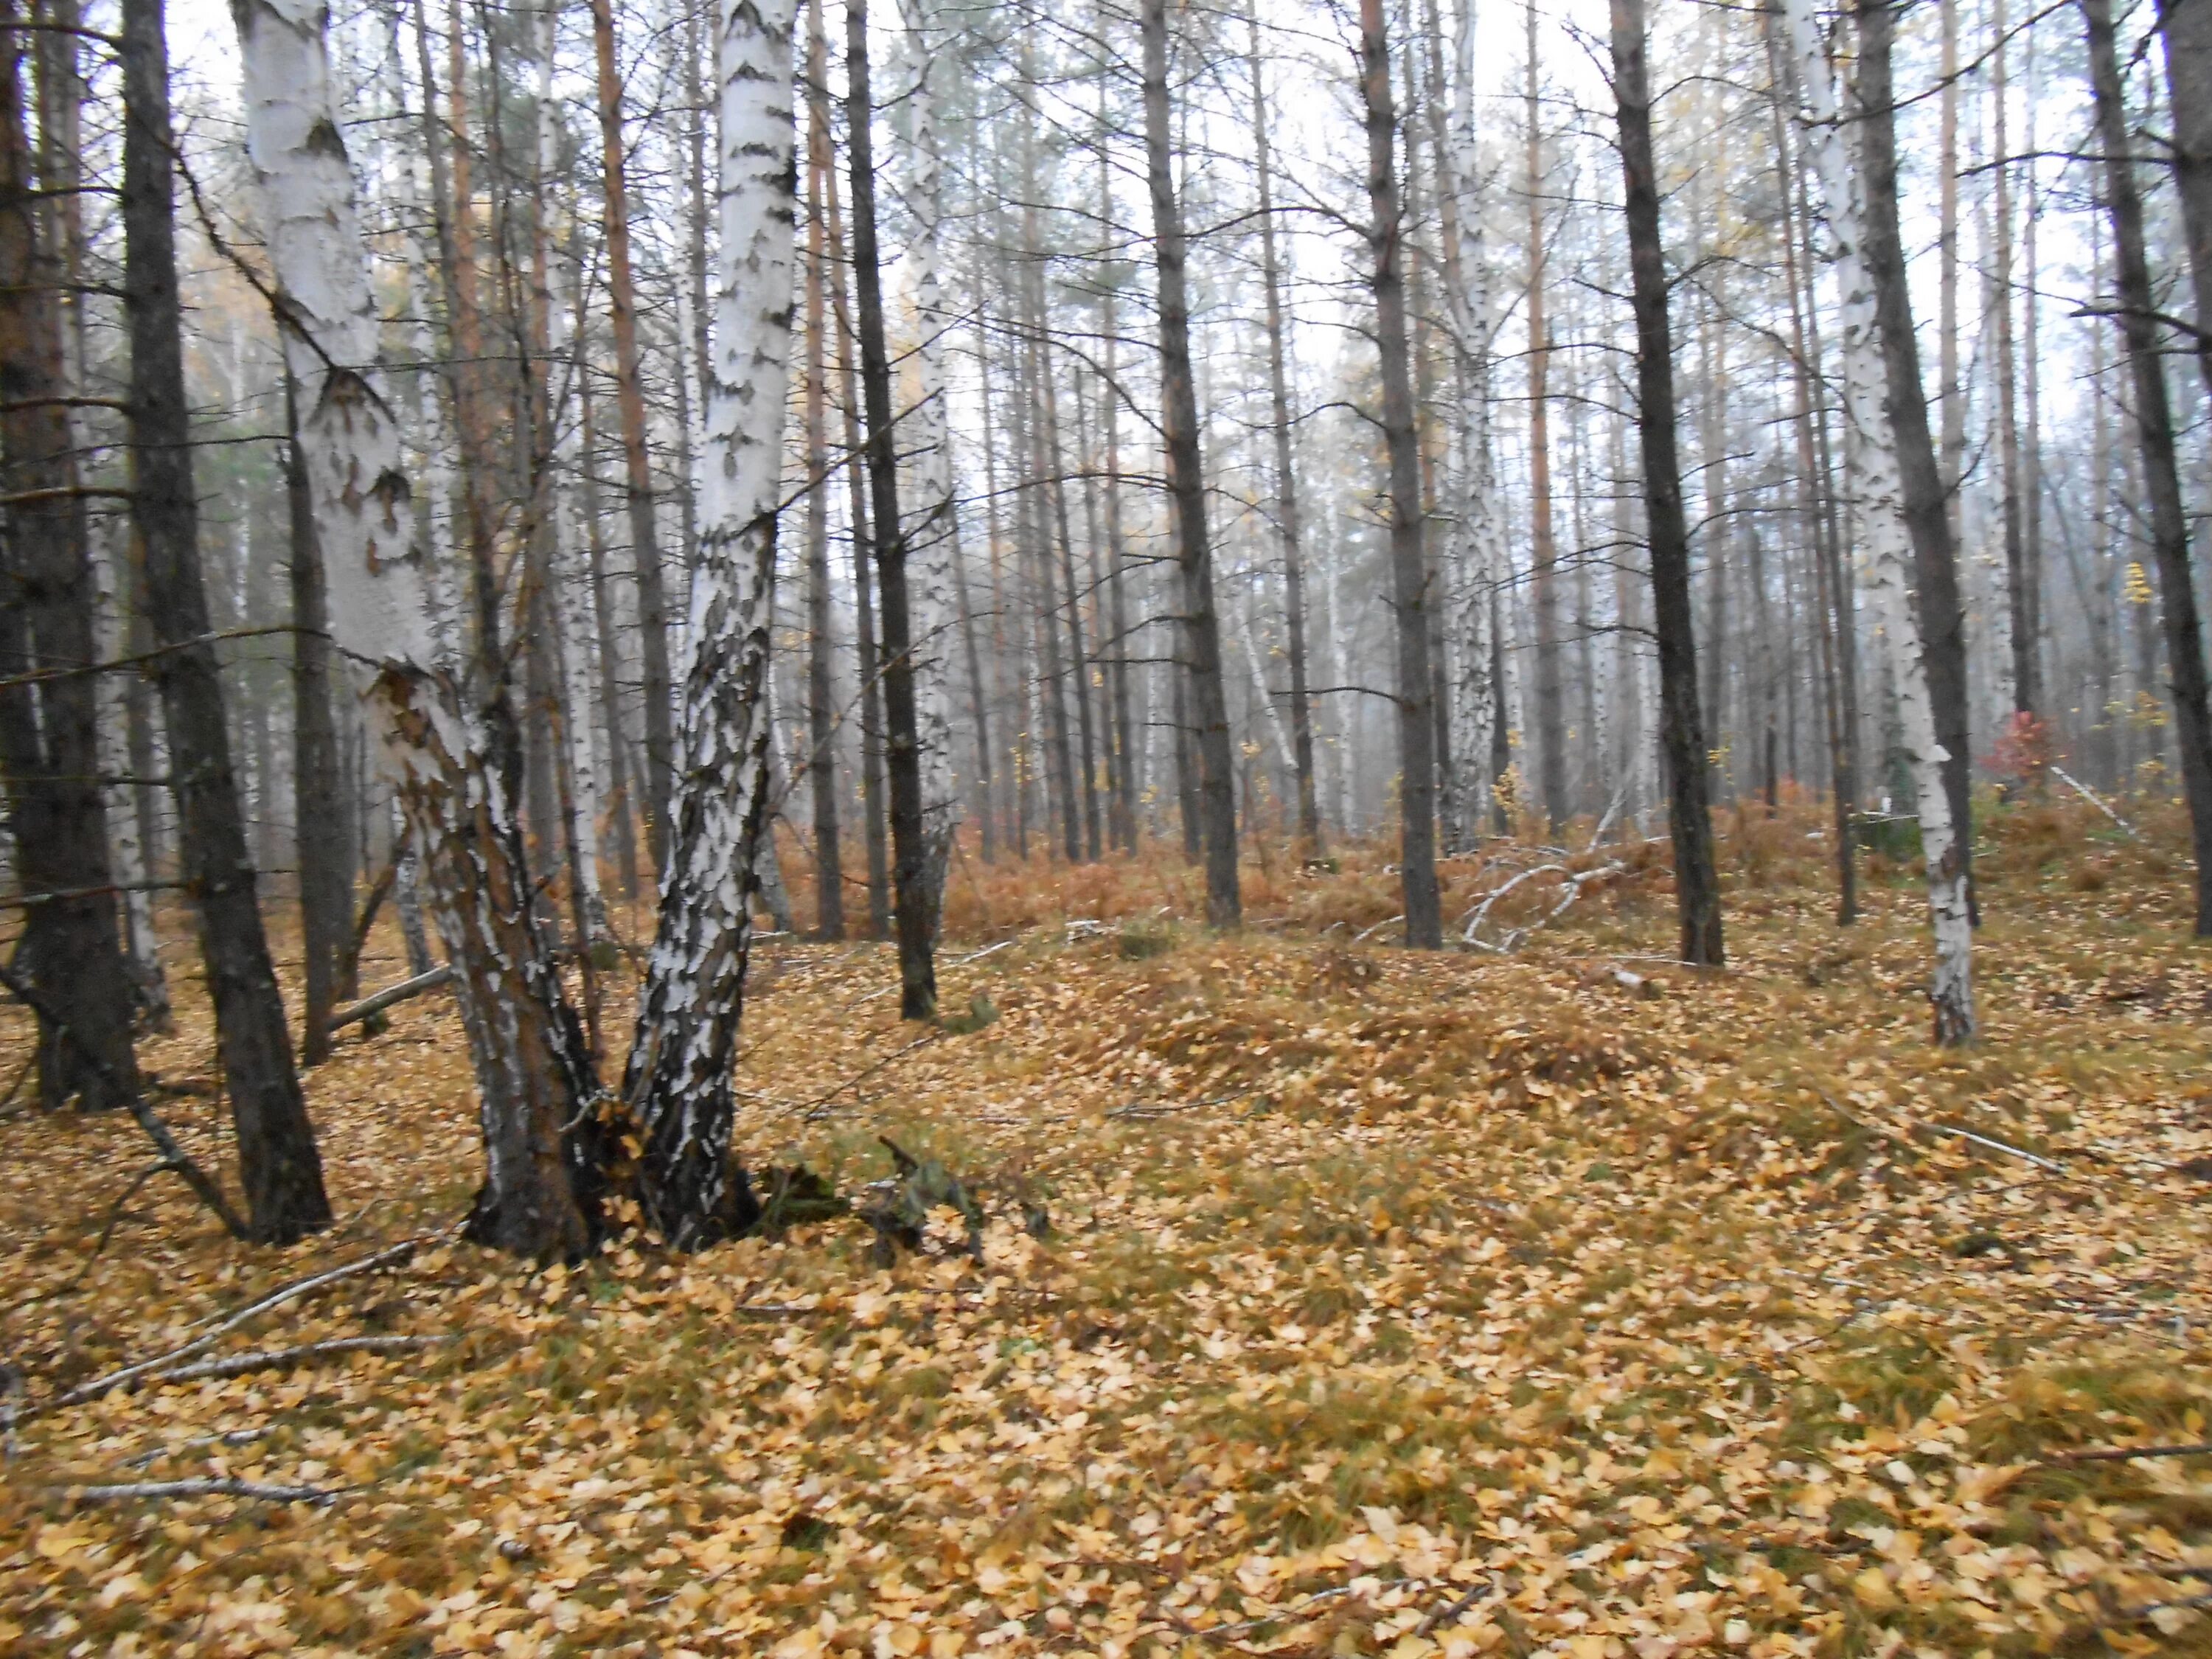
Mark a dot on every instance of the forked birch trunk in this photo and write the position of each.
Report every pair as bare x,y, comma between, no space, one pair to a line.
678,1081
1889,546
541,1144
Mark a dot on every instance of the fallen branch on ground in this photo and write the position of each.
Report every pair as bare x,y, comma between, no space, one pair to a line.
205,1488
2095,800
2035,1158
811,1107
2122,1453
234,1438
277,1298
392,995
272,1358
1514,937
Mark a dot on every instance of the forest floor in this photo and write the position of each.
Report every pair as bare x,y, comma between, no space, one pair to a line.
1390,1303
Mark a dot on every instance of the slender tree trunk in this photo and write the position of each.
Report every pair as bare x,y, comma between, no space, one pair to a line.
1682,739
621,814
872,789
1287,481
1126,743
2026,674
1941,615
637,466
1038,551
910,851
2169,524
1544,553
1832,627
455,194
1477,553
1874,451
1948,391
278,1165
49,733
544,1154
821,697
1409,574
1016,754
1215,802
932,531
1078,661
2187,28
325,893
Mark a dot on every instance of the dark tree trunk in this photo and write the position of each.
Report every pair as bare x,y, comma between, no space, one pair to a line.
863,592
1215,801
821,697
280,1170
1038,548
1078,661
910,878
2169,524
1681,733
1409,573
49,744
2186,26
1927,517
318,832
2025,605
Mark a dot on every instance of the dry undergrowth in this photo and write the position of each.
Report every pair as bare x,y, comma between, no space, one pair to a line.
1393,1303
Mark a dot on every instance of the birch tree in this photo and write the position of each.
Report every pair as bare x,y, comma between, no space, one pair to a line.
1872,449
1475,552
539,1193
933,534
684,1049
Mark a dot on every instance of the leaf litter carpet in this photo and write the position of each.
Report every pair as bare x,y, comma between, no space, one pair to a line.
1389,1305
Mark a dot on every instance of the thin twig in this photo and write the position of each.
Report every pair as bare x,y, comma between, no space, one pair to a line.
205,1488
172,1154
1444,1615
2121,1454
862,1075
91,1390
272,1358
2035,1158
232,1437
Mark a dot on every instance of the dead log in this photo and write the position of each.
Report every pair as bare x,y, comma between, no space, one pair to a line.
392,995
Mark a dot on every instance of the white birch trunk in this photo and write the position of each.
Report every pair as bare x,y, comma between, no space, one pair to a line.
539,1193
1880,504
1335,646
1272,716
1474,549
572,592
126,853
678,1081
933,535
